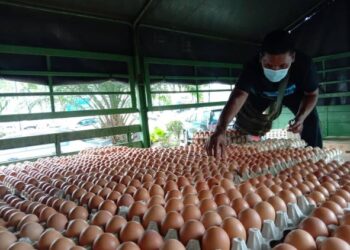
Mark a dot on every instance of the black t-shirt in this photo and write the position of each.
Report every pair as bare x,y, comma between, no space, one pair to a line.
302,78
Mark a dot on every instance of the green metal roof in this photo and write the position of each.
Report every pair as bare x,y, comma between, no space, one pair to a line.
244,20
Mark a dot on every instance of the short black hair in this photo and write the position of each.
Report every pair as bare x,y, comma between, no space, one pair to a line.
277,42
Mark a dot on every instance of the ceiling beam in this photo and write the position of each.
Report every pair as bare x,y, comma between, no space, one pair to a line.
66,12
306,15
50,9
142,13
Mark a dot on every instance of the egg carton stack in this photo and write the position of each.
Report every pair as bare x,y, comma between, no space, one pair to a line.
281,134
232,137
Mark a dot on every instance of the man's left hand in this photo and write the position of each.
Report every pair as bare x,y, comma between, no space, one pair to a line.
296,125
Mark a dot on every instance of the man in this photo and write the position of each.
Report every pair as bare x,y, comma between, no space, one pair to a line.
279,74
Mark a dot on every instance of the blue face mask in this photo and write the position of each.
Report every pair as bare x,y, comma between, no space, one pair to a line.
275,75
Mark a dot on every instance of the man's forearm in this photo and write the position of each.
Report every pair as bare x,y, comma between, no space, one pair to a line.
231,109
307,104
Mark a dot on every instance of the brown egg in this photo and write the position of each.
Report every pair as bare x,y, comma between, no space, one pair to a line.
172,244
57,221
105,241
66,207
129,245
75,227
192,229
27,218
215,238
156,190
252,199
115,224
132,231
340,200
265,210
32,230
109,206
173,220
138,208
250,219
174,204
226,211
277,203
205,194
329,186
245,188
156,200
155,213
190,199
234,228
77,248
221,199
233,194
141,195
346,219
78,212
334,207
191,212
150,240
314,226
125,200
89,234
15,218
343,232
333,243
21,246
207,205
95,201
6,239
325,214
284,246
318,197
46,213
287,196
211,218
173,194
47,237
264,192
239,204
101,218
343,193
300,239
62,243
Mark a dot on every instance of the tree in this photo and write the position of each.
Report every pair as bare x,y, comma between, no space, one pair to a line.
101,101
176,128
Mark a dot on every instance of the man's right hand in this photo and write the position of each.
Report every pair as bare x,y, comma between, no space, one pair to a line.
216,145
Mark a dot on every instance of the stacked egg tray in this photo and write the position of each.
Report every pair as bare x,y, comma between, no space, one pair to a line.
280,134
232,136
254,197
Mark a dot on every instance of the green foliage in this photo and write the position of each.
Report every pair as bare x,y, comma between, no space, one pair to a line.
175,127
157,135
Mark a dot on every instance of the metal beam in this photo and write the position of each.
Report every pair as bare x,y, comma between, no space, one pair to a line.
66,136
24,50
218,37
302,18
65,114
50,9
153,60
185,106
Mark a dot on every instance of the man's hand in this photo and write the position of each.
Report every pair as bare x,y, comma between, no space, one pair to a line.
296,125
216,145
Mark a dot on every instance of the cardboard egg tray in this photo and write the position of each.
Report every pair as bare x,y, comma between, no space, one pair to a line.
271,233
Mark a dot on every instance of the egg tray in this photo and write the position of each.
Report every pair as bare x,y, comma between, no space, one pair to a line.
272,232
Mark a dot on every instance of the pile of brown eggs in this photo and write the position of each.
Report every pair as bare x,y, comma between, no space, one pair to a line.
128,198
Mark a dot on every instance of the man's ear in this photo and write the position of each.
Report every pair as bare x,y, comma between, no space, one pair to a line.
292,54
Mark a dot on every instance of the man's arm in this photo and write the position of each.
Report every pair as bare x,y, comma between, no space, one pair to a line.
217,141
307,104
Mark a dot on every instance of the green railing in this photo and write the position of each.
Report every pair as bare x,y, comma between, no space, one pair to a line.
195,80
51,94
